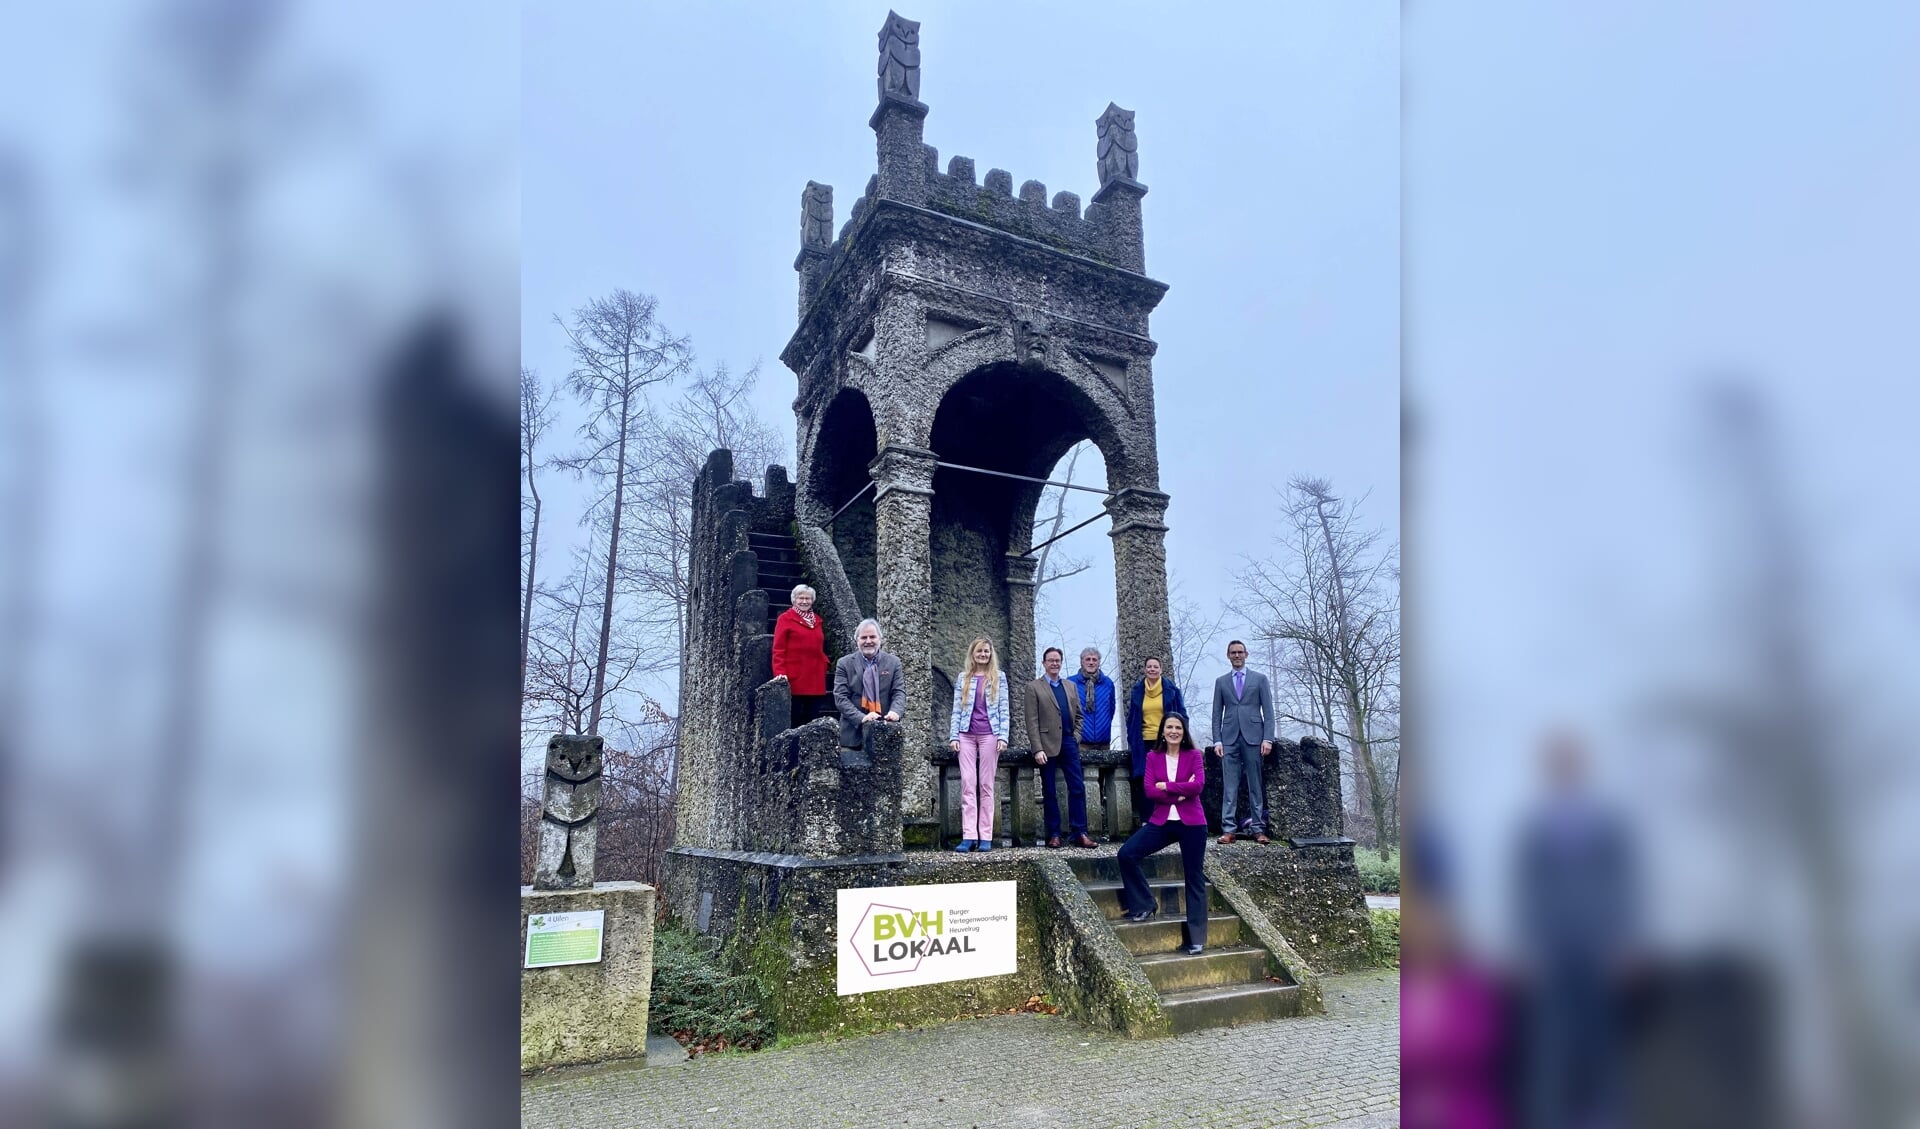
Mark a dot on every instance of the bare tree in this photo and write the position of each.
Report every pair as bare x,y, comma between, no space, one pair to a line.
1332,599
1054,498
536,415
565,650
715,411
619,349
1193,635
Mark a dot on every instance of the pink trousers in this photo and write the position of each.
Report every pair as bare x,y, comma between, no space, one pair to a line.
979,759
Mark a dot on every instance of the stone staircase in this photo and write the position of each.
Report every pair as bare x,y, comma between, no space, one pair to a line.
779,570
1224,986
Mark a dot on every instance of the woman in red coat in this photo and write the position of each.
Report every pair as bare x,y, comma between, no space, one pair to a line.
800,656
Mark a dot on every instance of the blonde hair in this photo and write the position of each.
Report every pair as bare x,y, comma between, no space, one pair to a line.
993,666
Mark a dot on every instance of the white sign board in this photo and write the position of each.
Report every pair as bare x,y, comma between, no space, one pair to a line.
564,938
902,936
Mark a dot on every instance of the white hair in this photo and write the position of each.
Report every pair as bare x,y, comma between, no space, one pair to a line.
866,623
1094,651
799,588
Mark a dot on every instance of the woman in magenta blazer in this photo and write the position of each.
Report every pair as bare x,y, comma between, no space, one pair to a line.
1176,771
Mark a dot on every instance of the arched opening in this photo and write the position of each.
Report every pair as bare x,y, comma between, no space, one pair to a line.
1016,421
847,443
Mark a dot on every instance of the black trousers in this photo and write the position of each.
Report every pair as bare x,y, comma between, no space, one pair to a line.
1149,839
806,707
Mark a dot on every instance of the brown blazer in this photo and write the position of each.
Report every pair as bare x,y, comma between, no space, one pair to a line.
1043,716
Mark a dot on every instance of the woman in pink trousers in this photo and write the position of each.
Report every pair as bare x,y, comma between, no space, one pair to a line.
979,735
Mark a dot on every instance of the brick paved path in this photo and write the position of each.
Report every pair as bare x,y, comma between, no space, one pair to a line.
1341,1069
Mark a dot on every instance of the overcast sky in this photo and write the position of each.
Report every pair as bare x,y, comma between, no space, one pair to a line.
664,148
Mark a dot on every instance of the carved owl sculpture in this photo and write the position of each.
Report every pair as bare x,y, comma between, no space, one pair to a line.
569,806
1119,148
900,58
816,215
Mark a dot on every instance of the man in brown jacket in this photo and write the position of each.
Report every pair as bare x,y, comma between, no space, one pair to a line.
1054,744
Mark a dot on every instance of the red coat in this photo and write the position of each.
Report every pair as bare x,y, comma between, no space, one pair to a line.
800,652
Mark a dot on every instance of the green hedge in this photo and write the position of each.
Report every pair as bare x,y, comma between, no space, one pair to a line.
1377,875
697,1001
1385,950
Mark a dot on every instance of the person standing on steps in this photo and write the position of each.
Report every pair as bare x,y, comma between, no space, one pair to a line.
800,656
979,735
1152,698
1053,724
1176,774
1096,693
1242,734
867,685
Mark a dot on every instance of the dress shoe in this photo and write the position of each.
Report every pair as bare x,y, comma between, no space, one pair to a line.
1053,842
965,846
1084,840
1193,950
1261,838
1143,915
1227,838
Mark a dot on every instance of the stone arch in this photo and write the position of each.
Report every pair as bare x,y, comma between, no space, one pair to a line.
1018,420
843,446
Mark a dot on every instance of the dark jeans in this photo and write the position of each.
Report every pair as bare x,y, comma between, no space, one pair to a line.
1136,895
806,707
1069,760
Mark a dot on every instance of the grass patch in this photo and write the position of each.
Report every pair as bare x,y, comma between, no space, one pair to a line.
1384,952
697,1001
1377,875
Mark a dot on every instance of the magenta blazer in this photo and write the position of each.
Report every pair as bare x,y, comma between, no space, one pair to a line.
1189,779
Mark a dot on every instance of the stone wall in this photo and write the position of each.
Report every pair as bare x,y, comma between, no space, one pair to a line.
1312,894
729,652
777,918
1302,785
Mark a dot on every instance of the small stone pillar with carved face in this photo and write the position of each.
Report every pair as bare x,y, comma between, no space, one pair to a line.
568,811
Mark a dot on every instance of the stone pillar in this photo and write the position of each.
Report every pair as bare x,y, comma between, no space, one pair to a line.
1019,661
903,517
1115,209
906,168
597,1012
1140,568
816,240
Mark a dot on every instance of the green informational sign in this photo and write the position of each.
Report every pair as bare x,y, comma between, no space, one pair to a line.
564,938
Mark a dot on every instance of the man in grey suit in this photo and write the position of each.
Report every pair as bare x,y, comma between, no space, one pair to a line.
1242,733
867,685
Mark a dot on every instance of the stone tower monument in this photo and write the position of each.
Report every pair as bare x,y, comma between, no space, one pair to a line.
955,339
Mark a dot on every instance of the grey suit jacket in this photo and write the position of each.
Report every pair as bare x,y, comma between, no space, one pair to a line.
846,693
1246,720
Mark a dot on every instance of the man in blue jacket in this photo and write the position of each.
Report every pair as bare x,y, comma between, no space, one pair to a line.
1151,699
1096,693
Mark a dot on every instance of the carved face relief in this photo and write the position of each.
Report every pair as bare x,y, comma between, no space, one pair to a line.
900,58
574,757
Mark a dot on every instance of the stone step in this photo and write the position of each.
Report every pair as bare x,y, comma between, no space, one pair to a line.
1171,894
1214,968
1166,934
773,549
1231,1005
1106,868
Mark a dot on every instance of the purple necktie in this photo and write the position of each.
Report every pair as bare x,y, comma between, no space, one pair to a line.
1239,683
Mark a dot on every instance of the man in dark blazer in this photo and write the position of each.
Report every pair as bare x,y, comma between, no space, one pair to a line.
1242,733
867,685
1140,735
1047,702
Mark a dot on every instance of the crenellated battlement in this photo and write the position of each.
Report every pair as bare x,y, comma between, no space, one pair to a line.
1108,231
